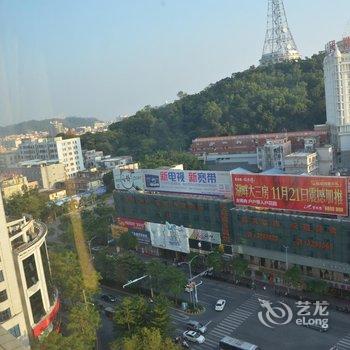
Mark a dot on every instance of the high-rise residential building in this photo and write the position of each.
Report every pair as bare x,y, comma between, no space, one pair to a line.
67,151
336,67
28,300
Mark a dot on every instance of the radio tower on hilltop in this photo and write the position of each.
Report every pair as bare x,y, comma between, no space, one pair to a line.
279,44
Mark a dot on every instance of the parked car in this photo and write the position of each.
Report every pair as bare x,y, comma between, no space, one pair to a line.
196,326
220,304
194,337
108,298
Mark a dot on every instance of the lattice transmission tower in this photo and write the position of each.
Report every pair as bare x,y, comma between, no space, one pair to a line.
279,44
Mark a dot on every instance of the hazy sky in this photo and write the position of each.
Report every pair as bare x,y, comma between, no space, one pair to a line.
103,58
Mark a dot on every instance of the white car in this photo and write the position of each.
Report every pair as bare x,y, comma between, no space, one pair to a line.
194,337
220,304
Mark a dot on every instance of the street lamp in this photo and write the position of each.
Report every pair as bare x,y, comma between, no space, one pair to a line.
89,243
286,249
189,263
139,279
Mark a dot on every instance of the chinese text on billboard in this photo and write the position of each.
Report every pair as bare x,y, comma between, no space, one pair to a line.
315,194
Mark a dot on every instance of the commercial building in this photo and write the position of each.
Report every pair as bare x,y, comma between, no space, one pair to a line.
28,300
273,221
228,152
67,151
301,163
336,67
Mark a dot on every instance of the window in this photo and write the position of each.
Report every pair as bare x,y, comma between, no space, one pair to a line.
5,315
36,303
30,271
3,295
15,331
1,276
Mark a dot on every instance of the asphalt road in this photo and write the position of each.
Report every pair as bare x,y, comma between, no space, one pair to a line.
240,319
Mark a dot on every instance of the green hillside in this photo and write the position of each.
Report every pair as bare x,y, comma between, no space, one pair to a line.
263,99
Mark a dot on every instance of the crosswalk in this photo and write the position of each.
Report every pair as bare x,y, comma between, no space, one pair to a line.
230,323
344,343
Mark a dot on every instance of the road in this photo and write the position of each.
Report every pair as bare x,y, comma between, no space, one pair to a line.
240,319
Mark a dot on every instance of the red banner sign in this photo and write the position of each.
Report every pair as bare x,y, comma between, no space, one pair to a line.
134,224
313,194
45,322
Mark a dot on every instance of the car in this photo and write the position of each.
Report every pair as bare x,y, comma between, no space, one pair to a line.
109,298
323,327
220,304
194,337
196,326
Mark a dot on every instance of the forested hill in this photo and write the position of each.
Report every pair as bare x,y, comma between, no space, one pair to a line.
263,99
44,125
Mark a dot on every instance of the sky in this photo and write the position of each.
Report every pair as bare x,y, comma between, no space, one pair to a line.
104,58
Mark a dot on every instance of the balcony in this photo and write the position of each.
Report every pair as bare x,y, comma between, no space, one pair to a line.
30,238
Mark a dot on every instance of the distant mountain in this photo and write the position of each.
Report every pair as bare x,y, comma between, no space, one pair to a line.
43,125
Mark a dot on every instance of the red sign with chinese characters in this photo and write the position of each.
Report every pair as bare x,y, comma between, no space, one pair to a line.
313,194
134,224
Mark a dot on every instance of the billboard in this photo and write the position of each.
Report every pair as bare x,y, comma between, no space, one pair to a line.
169,236
206,236
130,180
215,183
313,194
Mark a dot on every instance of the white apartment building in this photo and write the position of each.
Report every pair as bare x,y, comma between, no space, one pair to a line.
301,163
272,154
28,301
66,151
336,67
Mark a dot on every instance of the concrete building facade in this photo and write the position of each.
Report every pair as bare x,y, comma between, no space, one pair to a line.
28,301
336,67
67,151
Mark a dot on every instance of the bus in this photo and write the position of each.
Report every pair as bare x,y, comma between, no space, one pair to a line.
228,343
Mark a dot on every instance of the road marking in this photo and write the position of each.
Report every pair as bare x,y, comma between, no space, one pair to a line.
208,323
344,343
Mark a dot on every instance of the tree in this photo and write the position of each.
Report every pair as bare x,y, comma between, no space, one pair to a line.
159,315
317,286
127,241
129,266
174,281
108,181
240,266
293,276
214,260
84,321
67,276
105,265
146,338
131,315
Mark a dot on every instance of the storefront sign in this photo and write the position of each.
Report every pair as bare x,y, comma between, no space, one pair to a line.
169,236
142,237
314,194
134,224
206,236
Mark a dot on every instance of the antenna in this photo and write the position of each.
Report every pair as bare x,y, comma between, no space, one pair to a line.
279,44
